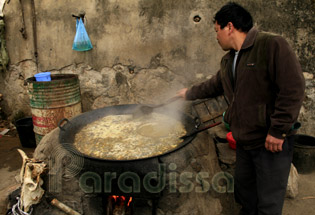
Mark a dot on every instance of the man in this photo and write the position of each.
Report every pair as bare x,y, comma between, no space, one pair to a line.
262,80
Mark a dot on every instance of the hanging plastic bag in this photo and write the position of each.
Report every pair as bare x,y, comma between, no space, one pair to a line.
81,41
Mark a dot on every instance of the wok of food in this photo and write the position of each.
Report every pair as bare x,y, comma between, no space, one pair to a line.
122,137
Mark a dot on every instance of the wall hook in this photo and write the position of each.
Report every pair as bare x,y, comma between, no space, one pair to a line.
80,15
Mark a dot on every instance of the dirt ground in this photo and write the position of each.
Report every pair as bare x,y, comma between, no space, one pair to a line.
10,163
304,203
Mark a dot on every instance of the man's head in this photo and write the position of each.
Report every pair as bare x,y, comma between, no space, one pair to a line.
236,14
232,22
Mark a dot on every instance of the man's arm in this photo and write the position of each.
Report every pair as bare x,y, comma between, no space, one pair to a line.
290,86
207,89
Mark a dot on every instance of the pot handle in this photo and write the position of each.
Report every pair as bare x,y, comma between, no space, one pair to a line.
200,130
60,122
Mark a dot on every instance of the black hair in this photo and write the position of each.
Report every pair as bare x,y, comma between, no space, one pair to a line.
232,12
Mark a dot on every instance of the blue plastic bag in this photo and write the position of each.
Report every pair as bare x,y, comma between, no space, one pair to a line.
81,41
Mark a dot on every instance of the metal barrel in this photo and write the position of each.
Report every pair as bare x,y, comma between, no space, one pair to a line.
52,101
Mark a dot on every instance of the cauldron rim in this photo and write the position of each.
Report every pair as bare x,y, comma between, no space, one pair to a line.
130,107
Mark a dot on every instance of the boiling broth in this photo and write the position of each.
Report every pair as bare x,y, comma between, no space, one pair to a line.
122,137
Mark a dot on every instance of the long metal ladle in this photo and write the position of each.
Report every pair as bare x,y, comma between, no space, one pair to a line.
147,109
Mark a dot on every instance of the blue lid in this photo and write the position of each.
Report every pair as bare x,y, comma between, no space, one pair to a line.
42,74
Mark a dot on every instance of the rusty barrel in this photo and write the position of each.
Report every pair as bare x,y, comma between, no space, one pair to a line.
52,101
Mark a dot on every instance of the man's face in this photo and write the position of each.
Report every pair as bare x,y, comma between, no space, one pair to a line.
223,36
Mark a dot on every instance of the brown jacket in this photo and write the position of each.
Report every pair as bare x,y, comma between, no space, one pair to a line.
267,93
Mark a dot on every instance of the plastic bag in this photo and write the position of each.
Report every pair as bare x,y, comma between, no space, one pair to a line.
81,41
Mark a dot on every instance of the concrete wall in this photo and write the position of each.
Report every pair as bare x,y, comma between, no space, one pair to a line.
150,44
133,32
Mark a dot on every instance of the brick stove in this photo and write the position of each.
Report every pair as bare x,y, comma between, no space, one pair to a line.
174,183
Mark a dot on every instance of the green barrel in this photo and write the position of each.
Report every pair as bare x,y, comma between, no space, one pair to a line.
52,101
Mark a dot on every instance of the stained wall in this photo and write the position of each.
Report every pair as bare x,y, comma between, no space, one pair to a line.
143,50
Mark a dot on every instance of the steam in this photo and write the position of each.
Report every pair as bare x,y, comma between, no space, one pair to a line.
174,110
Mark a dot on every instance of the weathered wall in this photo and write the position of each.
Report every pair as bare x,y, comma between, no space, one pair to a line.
142,48
141,33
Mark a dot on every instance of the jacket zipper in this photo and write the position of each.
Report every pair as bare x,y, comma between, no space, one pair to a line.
236,134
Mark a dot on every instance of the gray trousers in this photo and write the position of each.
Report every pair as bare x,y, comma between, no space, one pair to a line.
261,179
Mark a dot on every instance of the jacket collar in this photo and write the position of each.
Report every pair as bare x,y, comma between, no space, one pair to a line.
248,42
250,38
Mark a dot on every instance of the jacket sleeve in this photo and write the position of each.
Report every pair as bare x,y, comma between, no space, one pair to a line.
289,85
207,89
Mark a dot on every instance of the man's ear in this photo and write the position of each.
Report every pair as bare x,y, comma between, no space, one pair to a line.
231,26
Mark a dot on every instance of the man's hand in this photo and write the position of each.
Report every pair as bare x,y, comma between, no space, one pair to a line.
273,144
182,93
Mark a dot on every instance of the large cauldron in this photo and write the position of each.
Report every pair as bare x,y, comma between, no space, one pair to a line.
112,172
